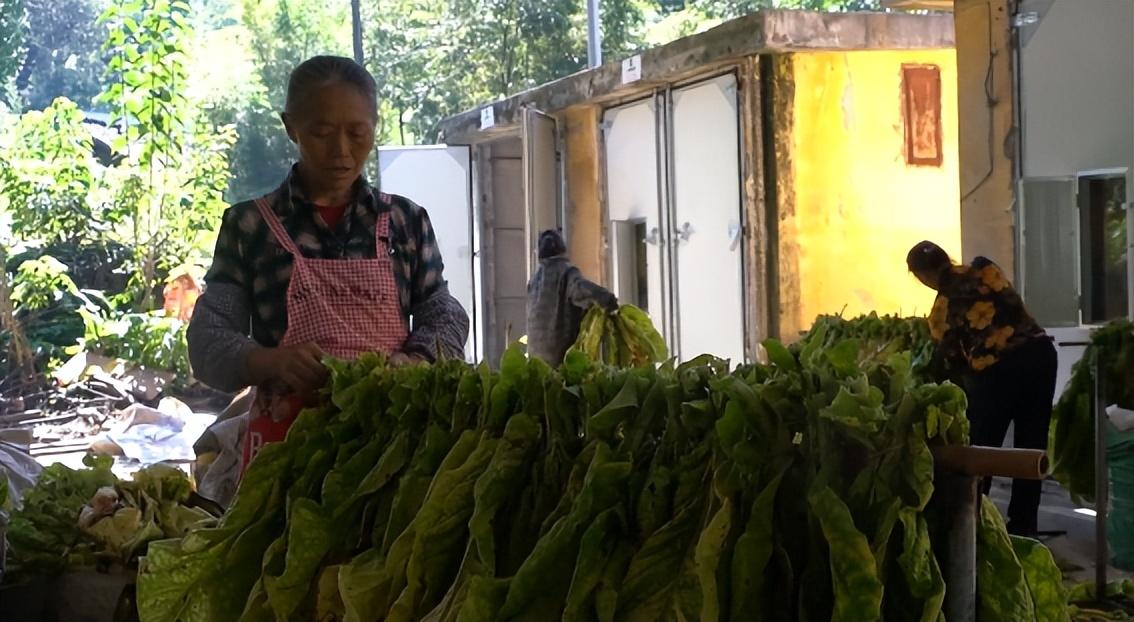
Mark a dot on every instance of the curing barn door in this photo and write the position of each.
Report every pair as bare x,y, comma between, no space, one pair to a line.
439,178
541,165
634,207
706,227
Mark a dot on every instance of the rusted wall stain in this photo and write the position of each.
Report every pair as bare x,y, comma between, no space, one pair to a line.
921,114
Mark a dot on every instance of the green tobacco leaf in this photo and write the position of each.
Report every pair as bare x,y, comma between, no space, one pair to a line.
779,355
167,575
1002,589
643,328
603,423
309,537
708,556
844,357
917,560
553,554
440,534
499,481
595,548
485,599
648,589
854,571
752,553
358,582
919,468
1044,579
855,410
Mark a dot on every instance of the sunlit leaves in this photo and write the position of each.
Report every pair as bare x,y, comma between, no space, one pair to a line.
171,192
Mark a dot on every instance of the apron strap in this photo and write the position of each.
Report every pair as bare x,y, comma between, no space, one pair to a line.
383,245
269,215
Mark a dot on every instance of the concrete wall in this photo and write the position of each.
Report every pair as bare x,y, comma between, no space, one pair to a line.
1075,92
1076,100
856,206
987,140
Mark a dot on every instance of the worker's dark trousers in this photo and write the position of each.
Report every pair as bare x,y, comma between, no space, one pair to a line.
1019,388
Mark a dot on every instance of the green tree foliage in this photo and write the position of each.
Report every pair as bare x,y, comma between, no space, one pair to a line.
831,5
159,198
61,55
434,59
282,34
12,24
47,176
170,193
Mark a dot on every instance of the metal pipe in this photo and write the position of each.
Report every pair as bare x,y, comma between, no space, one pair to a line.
1018,161
594,34
1102,489
356,29
1017,91
992,461
670,227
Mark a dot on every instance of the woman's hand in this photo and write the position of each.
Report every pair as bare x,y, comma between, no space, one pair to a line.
299,366
399,359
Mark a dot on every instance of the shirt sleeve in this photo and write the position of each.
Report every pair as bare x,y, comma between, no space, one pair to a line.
218,335
429,270
218,338
228,262
440,325
584,294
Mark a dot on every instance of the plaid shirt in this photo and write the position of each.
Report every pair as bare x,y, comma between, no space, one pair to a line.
978,317
249,260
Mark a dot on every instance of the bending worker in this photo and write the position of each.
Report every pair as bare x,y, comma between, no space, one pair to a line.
558,298
325,265
1006,363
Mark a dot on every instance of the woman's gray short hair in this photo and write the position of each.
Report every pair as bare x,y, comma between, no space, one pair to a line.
323,70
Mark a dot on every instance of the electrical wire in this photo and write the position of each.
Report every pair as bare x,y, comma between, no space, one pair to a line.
990,100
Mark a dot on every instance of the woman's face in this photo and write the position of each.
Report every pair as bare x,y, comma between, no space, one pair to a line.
930,279
334,130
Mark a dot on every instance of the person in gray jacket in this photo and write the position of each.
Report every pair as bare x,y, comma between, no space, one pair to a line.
558,298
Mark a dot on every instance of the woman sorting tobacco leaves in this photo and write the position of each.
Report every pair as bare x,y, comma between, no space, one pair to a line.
990,345
325,265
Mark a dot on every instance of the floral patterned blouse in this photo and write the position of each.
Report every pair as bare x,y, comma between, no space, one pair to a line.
978,317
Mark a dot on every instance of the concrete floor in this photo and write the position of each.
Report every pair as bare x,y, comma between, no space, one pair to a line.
1075,551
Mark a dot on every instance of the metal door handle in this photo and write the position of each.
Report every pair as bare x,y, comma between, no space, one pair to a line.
734,231
684,232
654,237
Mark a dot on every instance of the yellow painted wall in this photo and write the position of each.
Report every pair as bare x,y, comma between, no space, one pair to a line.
858,206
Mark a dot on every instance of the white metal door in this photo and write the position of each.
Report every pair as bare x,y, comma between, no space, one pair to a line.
706,222
439,178
634,196
541,179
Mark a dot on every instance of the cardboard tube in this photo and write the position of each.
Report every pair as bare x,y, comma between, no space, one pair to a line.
992,461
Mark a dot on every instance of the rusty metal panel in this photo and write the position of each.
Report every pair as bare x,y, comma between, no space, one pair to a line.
921,112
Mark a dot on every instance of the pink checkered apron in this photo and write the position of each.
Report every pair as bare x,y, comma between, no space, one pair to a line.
346,307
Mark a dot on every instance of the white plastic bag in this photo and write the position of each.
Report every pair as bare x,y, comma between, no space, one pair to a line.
1121,418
